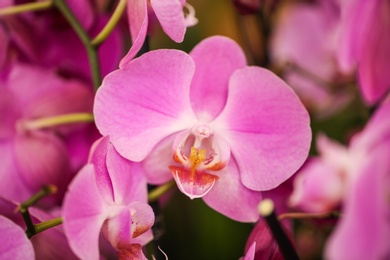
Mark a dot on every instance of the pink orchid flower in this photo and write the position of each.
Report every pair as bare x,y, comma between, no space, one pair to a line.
367,48
33,156
109,194
169,13
224,131
356,177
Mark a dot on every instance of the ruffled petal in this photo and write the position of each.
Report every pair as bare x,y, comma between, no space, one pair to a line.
171,17
266,126
84,212
127,178
137,13
232,199
145,101
14,243
216,58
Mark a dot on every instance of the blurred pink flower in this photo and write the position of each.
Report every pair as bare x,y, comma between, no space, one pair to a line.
50,244
304,42
14,243
169,13
357,178
110,195
367,46
32,158
206,112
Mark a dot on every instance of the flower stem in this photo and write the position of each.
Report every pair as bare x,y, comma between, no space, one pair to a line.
105,32
58,120
267,210
303,215
47,224
28,7
155,194
46,190
85,39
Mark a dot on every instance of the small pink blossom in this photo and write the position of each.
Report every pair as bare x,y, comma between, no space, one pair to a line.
224,131
108,195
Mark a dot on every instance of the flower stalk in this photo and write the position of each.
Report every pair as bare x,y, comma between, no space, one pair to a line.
28,7
114,19
58,120
85,39
155,194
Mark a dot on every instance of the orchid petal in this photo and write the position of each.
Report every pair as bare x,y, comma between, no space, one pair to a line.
131,97
132,252
156,163
83,11
128,181
318,187
84,212
98,158
365,222
41,159
14,243
216,58
250,254
231,198
194,185
266,126
171,17
137,13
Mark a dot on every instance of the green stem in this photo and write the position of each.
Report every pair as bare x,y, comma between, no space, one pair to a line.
46,190
155,194
57,120
47,224
105,32
30,231
84,37
28,7
304,215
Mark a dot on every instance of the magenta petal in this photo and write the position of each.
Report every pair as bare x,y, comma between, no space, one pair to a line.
365,221
194,185
137,13
83,11
216,58
267,128
231,198
149,98
41,159
14,242
127,178
171,17
84,212
250,254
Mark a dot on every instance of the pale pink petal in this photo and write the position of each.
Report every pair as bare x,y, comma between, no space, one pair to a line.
216,58
363,230
149,98
84,212
142,216
250,254
267,128
127,178
171,17
137,13
318,187
156,163
6,3
231,198
14,242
